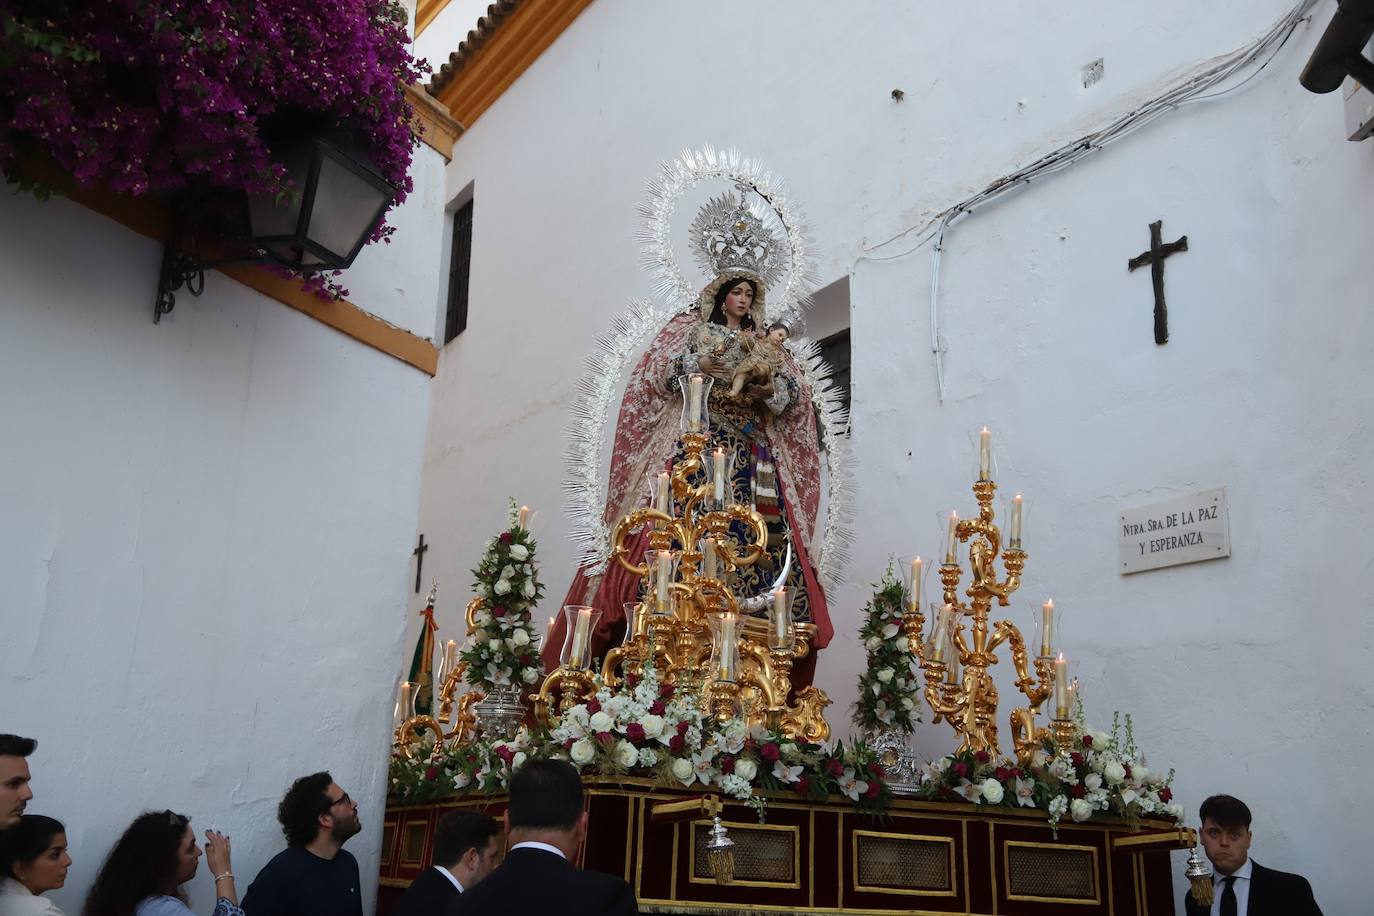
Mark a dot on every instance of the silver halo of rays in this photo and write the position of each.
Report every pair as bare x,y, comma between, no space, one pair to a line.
586,480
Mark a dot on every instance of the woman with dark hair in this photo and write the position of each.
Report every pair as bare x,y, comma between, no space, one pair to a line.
144,873
33,860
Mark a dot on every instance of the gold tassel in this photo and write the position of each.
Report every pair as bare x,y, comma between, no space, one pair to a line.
1199,874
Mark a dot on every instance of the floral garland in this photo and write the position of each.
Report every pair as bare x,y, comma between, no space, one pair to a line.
889,688
503,649
145,98
646,729
1100,773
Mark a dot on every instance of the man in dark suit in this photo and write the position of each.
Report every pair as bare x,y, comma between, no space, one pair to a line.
467,845
547,824
1240,885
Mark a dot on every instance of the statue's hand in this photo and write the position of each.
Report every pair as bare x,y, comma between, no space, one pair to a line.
759,391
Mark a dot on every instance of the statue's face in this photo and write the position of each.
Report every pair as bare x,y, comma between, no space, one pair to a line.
778,335
739,300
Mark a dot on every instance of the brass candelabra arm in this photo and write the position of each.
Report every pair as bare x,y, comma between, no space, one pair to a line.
713,597
409,732
464,719
760,676
570,685
633,522
717,522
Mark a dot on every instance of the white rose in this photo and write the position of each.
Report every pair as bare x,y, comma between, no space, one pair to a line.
683,771
521,637
528,590
1114,773
908,703
519,551
530,676
518,760
652,725
1080,809
479,636
1140,773
874,644
626,754
582,752
746,769
461,779
885,675
1175,810
1092,782
482,619
502,587
903,644
600,722
507,571
992,790
891,630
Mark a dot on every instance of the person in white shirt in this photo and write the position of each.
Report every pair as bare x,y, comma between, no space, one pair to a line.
1240,885
33,861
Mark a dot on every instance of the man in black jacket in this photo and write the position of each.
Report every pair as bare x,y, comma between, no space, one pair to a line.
547,825
1240,885
467,845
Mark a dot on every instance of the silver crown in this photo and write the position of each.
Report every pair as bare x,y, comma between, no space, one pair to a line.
733,237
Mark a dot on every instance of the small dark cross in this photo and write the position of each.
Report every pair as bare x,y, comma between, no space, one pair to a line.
1155,258
419,554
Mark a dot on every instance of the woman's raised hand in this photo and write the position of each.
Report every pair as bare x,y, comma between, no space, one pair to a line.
217,853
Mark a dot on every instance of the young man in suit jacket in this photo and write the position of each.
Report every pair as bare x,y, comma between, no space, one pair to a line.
467,846
1240,885
547,824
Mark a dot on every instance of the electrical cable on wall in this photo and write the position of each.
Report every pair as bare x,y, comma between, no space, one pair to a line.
1194,88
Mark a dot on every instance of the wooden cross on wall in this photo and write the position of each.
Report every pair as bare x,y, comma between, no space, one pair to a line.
419,554
1155,258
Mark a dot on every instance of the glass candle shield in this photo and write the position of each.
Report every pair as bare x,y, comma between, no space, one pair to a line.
1045,620
448,659
636,621
659,489
949,540
662,567
696,389
724,646
913,576
780,626
983,454
1012,520
941,629
581,622
405,704
710,559
720,471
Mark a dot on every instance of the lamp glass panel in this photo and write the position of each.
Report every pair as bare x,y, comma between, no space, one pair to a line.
346,208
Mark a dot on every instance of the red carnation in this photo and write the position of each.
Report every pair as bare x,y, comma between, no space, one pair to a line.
876,769
567,745
656,707
1166,795
982,756
506,537
1127,768
1077,758
1087,740
727,764
770,751
666,691
959,767
605,737
1002,774
498,611
432,774
505,753
1078,791
632,681
683,726
635,732
802,786
874,788
593,707
834,767
525,660
676,744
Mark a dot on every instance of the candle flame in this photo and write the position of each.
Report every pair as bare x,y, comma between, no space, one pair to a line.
1061,657
1049,604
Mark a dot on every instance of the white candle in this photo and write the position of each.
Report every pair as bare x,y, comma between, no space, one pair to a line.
450,654
938,637
708,558
780,616
661,495
524,518
1016,520
952,669
1046,627
718,475
694,387
1061,687
549,631
403,704
581,631
984,454
953,537
727,647
916,584
665,574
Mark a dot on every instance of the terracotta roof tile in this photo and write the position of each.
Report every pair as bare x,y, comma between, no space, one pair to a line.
496,14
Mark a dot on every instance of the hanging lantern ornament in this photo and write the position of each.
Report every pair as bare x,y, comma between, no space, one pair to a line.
720,852
1199,875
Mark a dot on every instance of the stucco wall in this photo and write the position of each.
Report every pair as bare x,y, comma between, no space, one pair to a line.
1241,672
203,542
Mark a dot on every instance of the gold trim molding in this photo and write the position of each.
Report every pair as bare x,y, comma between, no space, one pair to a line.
433,125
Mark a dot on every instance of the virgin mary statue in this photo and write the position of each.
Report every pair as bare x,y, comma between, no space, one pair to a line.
769,426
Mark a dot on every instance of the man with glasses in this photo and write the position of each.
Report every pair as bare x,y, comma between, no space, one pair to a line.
314,875
1240,885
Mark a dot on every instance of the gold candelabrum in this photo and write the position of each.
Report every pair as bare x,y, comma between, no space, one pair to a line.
454,711
749,672
956,659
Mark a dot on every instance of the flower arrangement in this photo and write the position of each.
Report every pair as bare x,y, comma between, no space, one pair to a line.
145,98
889,688
503,649
1100,773
644,728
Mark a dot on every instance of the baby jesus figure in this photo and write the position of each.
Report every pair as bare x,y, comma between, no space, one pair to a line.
762,360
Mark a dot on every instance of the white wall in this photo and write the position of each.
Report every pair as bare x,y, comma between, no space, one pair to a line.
203,542
1241,672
